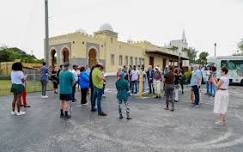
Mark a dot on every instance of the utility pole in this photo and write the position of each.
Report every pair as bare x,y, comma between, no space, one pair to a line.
215,45
46,34
179,57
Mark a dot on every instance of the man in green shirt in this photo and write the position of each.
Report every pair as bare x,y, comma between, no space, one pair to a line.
98,81
66,82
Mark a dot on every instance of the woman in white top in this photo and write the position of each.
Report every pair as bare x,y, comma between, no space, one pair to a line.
17,79
222,96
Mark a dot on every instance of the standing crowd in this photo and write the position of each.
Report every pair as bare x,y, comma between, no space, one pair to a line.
130,80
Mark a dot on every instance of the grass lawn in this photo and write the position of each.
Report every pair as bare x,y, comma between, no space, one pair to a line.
31,86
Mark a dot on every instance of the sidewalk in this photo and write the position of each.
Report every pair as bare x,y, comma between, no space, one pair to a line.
152,129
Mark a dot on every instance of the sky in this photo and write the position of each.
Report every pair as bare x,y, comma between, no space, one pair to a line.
205,21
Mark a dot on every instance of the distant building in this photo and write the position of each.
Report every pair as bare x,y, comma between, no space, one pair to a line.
181,43
103,46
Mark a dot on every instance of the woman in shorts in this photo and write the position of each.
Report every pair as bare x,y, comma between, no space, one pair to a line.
17,79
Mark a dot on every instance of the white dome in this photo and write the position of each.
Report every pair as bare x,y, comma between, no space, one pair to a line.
106,27
81,31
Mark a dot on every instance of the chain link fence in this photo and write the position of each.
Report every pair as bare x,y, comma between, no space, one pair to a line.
32,83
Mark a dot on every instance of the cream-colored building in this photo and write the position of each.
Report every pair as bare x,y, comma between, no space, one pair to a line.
103,46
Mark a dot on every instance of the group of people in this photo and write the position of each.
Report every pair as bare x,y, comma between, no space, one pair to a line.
166,80
154,77
128,79
216,87
83,77
209,73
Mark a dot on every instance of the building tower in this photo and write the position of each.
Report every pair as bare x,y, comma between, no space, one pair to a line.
184,36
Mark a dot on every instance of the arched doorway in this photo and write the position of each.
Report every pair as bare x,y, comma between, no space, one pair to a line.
53,57
65,53
92,57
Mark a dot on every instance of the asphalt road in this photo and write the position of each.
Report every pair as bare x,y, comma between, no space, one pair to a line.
152,129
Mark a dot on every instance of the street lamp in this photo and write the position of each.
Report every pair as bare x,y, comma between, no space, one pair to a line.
215,45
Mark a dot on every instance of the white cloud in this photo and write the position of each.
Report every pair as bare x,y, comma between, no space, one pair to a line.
159,21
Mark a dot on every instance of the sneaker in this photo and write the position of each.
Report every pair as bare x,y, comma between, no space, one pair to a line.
44,97
93,110
67,116
129,118
195,106
20,113
85,104
220,123
166,108
13,113
120,117
102,114
27,106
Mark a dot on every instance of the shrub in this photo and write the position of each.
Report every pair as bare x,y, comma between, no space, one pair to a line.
188,76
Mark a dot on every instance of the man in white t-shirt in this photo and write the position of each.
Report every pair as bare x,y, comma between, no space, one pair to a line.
134,80
75,74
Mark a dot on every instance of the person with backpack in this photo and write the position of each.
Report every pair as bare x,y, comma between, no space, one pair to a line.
169,88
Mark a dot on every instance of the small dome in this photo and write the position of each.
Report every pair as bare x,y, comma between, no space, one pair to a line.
81,31
106,27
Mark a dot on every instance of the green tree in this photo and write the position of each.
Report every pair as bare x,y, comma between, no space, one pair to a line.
202,58
11,54
192,54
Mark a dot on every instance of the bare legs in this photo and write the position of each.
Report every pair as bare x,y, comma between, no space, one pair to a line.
221,119
16,101
64,108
